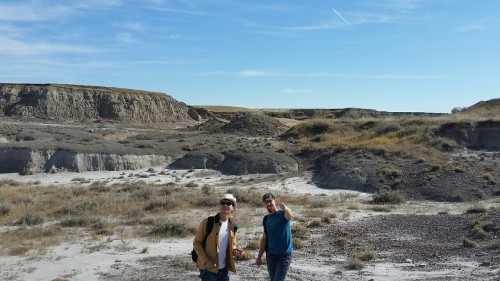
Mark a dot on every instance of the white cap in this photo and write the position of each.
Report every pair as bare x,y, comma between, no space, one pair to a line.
229,197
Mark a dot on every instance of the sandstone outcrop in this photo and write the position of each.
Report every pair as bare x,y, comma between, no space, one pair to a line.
28,161
237,163
73,102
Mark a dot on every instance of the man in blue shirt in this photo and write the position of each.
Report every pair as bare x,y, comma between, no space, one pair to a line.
276,240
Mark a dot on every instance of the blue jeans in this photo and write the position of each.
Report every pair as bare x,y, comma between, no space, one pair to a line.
221,275
277,266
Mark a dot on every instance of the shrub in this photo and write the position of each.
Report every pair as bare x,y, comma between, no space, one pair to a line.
246,256
207,189
29,219
366,255
9,182
4,208
191,184
162,203
297,243
253,244
170,228
381,208
355,263
76,222
144,193
491,179
207,201
244,195
300,231
388,196
19,250
390,172
479,232
315,223
99,186
341,241
469,243
167,189
319,204
476,209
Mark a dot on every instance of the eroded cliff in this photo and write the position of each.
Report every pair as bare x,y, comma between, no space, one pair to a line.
73,102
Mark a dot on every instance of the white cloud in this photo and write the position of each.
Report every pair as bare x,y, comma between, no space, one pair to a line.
32,12
296,91
132,26
254,73
471,27
15,47
28,11
319,26
124,37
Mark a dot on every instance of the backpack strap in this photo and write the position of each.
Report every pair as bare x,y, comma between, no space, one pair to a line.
208,229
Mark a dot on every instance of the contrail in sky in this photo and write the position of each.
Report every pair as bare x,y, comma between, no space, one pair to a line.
338,14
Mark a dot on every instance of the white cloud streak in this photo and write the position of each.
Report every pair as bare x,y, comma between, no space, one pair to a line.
15,47
262,73
255,73
341,17
296,91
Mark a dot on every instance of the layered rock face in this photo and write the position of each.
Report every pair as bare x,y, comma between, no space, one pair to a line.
238,163
483,135
28,161
71,102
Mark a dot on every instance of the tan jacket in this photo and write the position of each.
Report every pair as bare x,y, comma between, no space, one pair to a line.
211,250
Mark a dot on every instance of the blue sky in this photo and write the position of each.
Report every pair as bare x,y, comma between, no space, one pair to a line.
389,55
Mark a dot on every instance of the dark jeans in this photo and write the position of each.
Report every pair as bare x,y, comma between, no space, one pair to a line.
221,275
277,266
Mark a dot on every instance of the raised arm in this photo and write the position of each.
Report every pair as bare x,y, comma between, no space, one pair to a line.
288,211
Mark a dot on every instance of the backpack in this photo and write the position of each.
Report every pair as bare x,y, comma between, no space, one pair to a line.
208,229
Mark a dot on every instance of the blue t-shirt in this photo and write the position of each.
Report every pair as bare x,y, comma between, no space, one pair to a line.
279,234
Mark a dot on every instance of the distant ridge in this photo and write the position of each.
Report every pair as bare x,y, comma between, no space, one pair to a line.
78,102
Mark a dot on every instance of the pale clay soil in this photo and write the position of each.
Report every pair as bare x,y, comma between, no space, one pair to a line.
412,242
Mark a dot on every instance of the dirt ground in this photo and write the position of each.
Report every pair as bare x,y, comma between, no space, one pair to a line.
407,247
418,240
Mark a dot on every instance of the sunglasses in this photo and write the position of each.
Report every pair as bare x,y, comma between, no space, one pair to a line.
226,203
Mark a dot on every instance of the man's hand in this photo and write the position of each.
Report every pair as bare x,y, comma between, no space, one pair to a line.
258,261
209,264
281,204
238,253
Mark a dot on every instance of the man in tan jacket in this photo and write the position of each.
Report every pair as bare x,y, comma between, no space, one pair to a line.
216,258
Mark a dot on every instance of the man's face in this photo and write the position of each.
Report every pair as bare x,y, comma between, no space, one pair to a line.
226,206
269,204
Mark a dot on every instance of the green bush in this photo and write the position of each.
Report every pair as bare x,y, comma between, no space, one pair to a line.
170,228
300,231
355,263
29,219
388,196
469,243
476,209
4,208
77,222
